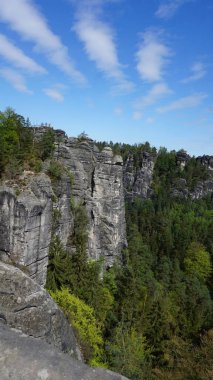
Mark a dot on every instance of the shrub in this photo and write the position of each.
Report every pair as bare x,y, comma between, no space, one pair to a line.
82,318
55,169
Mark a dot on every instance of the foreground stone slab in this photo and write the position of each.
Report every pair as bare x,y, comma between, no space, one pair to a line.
26,306
24,358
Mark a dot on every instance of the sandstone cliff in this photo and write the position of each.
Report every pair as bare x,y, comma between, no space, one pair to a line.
29,205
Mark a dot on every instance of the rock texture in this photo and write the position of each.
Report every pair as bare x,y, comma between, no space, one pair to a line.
26,306
28,207
98,184
138,180
25,224
98,180
24,358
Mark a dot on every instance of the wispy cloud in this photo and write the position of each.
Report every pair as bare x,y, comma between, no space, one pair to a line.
168,8
185,102
150,120
152,57
157,92
137,115
55,92
15,79
99,42
15,55
118,111
198,71
24,18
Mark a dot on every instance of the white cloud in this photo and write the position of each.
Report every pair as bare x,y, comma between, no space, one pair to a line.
99,43
152,57
185,102
198,72
24,18
137,115
54,93
118,111
157,92
14,55
168,8
150,120
15,79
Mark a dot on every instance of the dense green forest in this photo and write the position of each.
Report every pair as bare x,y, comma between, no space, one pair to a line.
150,316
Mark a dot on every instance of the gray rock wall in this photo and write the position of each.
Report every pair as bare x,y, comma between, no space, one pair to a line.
27,211
27,307
25,225
138,180
98,184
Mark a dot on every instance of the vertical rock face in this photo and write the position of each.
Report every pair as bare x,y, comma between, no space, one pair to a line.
26,219
138,180
97,184
25,226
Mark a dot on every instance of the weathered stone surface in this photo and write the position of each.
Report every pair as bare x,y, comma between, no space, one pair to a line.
24,358
98,184
182,158
25,224
138,180
26,306
206,161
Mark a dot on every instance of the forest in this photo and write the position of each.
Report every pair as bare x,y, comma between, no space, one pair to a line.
150,316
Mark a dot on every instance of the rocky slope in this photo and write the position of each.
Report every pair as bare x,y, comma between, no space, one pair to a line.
24,358
26,306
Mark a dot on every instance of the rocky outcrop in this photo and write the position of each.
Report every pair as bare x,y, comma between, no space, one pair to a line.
202,189
138,180
138,177
24,358
27,307
207,161
98,185
25,223
28,206
182,158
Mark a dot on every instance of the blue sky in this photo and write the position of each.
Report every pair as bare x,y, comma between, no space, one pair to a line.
122,70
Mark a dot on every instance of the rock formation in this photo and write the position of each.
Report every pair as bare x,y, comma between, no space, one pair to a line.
24,358
27,307
27,207
25,224
138,180
98,184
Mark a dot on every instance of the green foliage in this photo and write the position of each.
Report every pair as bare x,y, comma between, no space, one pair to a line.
128,353
15,141
188,362
198,262
82,318
59,265
55,170
125,149
46,145
18,149
194,172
